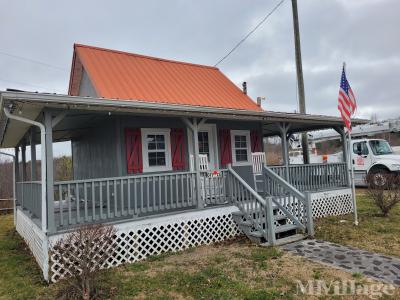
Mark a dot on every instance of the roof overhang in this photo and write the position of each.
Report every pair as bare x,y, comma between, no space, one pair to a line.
30,105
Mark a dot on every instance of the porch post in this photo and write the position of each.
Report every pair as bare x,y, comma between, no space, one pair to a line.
345,152
283,128
16,167
23,152
33,154
49,171
194,127
200,201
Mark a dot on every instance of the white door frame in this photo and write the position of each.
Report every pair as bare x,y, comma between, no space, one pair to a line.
211,129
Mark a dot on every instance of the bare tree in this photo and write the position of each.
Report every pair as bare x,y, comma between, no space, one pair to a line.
384,191
83,253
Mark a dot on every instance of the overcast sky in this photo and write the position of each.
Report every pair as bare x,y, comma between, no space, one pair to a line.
364,33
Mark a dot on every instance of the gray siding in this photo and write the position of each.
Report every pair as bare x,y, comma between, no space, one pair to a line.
94,154
101,152
86,88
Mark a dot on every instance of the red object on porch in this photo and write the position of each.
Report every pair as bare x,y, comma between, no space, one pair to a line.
178,149
255,141
133,144
225,146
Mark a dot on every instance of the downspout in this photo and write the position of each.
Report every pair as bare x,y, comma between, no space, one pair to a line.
14,186
43,161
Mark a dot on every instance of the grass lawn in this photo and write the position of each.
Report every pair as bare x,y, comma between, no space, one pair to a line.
235,269
374,232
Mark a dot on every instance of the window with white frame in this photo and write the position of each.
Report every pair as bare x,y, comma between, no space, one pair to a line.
240,140
156,148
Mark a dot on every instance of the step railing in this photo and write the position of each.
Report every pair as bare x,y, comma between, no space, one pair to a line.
294,204
255,208
314,177
91,200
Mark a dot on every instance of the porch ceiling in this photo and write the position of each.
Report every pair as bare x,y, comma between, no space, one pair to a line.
85,112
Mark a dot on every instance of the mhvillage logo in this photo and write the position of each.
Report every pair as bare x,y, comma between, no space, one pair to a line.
372,290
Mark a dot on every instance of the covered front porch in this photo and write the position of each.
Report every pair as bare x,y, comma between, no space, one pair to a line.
104,189
138,162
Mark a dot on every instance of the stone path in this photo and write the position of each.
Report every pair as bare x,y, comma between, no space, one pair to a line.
377,266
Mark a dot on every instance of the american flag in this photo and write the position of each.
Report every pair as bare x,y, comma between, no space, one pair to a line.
347,102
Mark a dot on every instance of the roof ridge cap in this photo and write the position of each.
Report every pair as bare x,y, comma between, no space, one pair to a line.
145,56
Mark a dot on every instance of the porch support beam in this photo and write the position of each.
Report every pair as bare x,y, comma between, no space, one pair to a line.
23,154
33,154
345,146
194,126
49,170
284,128
57,119
17,177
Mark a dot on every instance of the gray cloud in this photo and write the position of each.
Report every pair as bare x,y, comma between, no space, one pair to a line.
362,33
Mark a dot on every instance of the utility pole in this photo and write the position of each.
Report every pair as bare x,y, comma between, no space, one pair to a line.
300,80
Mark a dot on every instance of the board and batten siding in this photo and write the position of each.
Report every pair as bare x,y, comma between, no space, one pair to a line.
94,154
101,152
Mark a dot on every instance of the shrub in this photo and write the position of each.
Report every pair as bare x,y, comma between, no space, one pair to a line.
83,253
384,191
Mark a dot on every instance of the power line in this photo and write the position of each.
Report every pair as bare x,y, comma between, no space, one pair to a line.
28,84
250,33
33,61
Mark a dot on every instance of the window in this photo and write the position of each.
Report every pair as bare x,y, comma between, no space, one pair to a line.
156,148
204,146
361,145
380,147
240,147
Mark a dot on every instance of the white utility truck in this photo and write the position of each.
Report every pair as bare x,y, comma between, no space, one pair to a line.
373,157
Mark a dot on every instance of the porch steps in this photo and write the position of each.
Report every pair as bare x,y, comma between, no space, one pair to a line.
287,240
285,232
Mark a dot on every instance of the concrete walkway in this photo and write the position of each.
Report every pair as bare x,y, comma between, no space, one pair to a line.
377,266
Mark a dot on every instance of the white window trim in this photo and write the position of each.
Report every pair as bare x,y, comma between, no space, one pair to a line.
247,134
167,136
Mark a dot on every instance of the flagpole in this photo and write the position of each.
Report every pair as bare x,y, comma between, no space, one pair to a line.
353,188
350,164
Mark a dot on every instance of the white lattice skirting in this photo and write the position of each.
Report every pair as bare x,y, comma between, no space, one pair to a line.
324,204
332,203
35,239
139,239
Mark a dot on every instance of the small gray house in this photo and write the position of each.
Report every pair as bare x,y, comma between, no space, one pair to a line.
169,152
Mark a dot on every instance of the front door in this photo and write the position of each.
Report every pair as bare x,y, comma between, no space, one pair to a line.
361,160
361,156
207,144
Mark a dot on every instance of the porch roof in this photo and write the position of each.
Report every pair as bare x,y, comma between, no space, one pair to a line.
30,105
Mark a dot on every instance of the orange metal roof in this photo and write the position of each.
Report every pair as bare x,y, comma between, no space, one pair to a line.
127,76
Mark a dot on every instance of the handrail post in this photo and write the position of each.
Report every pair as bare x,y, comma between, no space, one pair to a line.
310,221
230,182
270,221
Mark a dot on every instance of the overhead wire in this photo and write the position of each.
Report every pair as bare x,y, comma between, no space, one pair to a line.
32,61
250,33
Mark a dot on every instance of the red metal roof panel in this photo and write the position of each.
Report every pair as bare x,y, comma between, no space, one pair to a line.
126,76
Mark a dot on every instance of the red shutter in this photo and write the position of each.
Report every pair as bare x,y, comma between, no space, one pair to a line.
133,144
255,140
225,146
178,149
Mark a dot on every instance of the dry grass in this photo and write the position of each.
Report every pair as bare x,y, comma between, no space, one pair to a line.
234,269
374,232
